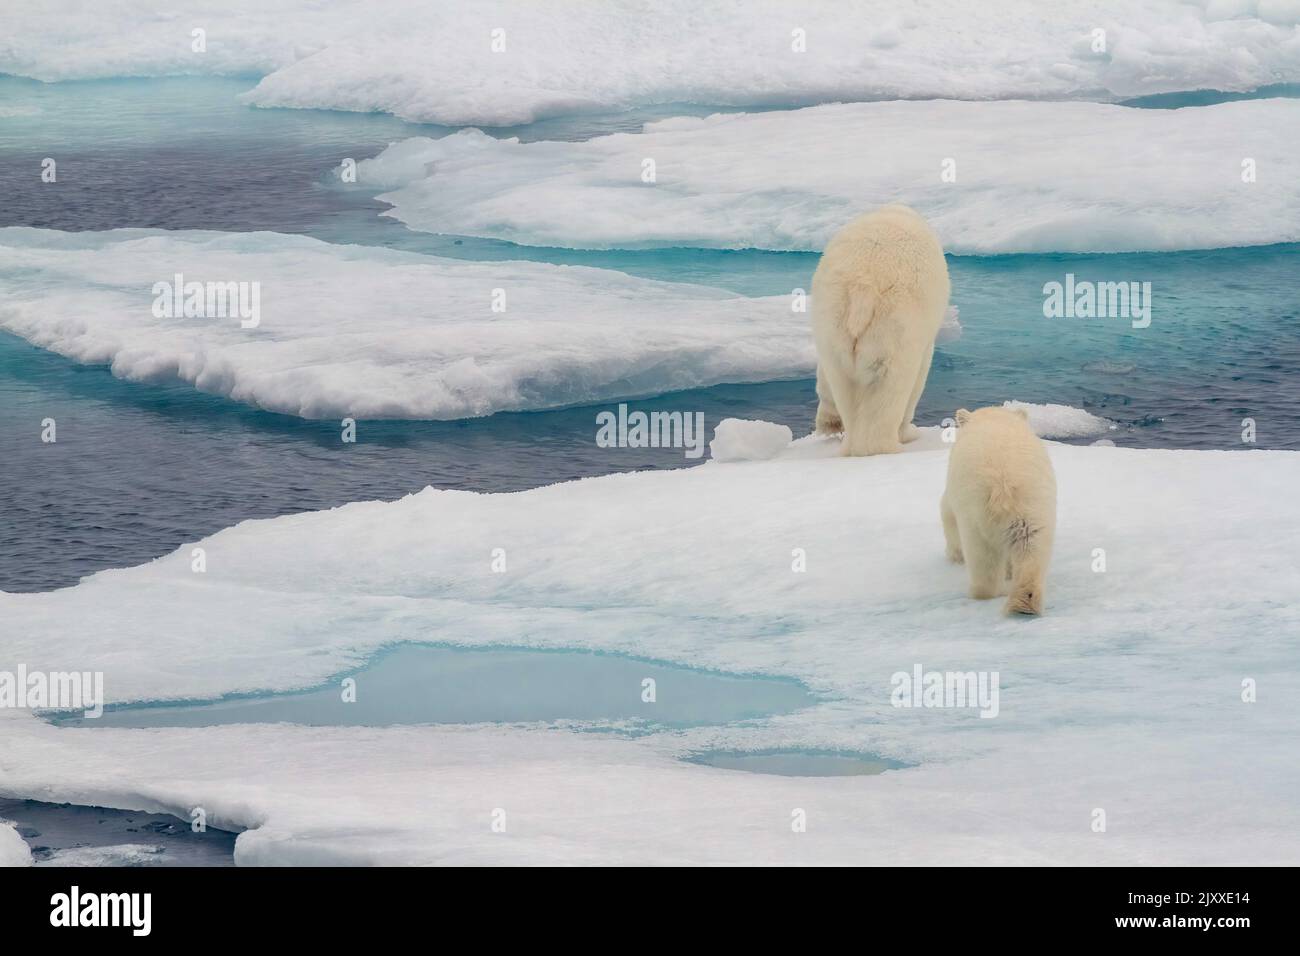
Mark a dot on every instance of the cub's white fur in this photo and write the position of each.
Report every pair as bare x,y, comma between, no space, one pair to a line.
879,297
999,507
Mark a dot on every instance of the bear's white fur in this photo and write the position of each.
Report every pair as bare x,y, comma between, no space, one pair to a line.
999,507
879,297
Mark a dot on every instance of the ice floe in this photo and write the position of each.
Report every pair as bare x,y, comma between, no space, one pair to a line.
735,439
990,177
514,61
1063,421
374,333
13,849
1128,696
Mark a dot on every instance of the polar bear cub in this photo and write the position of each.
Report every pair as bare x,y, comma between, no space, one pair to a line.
999,507
879,296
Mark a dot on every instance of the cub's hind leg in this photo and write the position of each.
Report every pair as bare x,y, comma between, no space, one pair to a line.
985,561
951,536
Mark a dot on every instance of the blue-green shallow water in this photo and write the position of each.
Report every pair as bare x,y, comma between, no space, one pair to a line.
427,684
1173,101
140,469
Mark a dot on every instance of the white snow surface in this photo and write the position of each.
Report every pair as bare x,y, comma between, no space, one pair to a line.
738,439
433,60
374,333
13,849
1029,177
1126,695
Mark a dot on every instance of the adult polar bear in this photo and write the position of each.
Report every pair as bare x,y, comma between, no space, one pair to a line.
879,297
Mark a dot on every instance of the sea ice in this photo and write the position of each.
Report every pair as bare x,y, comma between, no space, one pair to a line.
736,439
13,849
1165,663
1063,421
508,62
375,333
1025,177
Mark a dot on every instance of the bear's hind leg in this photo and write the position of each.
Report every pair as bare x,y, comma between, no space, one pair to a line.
909,432
985,563
877,403
828,417
842,391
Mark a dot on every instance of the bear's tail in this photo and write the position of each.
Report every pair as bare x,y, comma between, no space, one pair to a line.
859,312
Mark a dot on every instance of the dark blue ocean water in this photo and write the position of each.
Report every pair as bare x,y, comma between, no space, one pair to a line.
140,469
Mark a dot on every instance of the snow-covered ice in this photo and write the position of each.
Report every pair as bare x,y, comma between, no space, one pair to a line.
1063,421
13,849
1029,177
1127,695
375,333
436,61
737,439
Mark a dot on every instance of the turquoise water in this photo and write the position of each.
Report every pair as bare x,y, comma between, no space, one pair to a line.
140,469
1173,101
422,684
